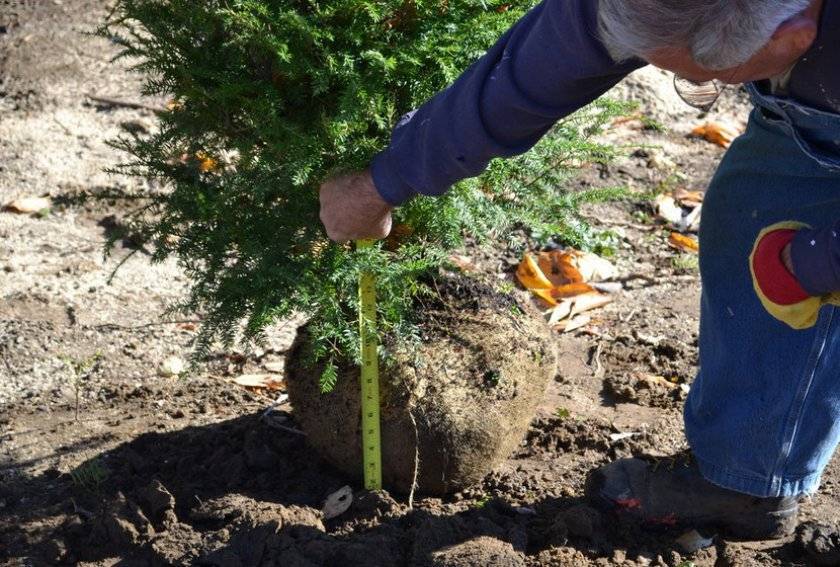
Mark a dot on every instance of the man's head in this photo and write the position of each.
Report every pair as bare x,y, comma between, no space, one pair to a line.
730,40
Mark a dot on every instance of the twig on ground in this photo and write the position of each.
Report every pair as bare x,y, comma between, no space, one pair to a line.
596,358
112,326
124,103
630,277
629,316
286,428
275,422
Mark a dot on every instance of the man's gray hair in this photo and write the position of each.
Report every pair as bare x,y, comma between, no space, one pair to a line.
719,33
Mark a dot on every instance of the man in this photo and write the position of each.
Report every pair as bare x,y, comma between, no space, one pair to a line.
763,416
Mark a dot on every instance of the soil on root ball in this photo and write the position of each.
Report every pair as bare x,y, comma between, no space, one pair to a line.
452,408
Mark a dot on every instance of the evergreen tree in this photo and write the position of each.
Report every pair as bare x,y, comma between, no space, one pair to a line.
270,98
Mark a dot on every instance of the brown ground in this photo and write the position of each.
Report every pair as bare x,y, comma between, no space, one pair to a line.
194,470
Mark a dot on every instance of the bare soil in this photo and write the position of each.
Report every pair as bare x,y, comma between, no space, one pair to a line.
132,467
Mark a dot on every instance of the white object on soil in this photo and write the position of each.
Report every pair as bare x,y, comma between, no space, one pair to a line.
171,366
692,541
338,502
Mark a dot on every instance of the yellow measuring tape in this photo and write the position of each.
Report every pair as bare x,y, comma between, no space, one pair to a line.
371,438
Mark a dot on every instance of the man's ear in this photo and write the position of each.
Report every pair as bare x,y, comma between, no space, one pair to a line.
798,33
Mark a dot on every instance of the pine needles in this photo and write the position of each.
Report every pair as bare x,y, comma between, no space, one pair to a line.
270,98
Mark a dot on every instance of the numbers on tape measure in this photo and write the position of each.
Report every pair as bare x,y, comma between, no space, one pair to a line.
371,441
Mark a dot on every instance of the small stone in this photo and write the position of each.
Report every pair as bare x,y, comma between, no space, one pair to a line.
276,367
156,499
171,366
661,161
28,205
644,559
692,541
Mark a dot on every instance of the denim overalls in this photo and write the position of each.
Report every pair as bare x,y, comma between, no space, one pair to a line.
763,416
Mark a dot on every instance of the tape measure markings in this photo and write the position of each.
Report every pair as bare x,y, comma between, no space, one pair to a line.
371,436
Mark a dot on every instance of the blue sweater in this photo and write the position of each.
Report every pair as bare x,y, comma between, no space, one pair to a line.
545,67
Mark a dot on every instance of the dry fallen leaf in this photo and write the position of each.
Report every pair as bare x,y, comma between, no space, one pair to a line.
691,222
545,295
559,268
571,290
557,276
688,198
563,310
28,205
668,210
717,133
531,276
260,381
574,324
683,243
653,380
592,267
590,301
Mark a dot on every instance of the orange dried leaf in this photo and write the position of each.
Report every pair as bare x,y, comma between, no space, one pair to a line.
545,295
683,243
716,133
688,198
205,162
531,276
559,267
571,290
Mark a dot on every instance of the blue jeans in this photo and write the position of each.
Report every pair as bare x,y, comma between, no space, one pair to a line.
763,416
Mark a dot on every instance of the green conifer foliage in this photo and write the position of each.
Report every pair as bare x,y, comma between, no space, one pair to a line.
270,98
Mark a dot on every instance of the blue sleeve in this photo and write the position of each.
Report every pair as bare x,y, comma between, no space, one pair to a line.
545,67
816,259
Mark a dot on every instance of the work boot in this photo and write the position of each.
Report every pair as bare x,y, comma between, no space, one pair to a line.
671,492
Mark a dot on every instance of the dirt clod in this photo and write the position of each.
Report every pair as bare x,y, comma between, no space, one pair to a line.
479,551
820,543
465,423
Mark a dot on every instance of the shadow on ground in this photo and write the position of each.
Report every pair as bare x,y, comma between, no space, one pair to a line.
240,492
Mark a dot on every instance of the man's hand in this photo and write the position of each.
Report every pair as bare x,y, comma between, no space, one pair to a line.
351,209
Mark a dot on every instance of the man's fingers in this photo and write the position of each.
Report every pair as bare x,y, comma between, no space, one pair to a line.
352,209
